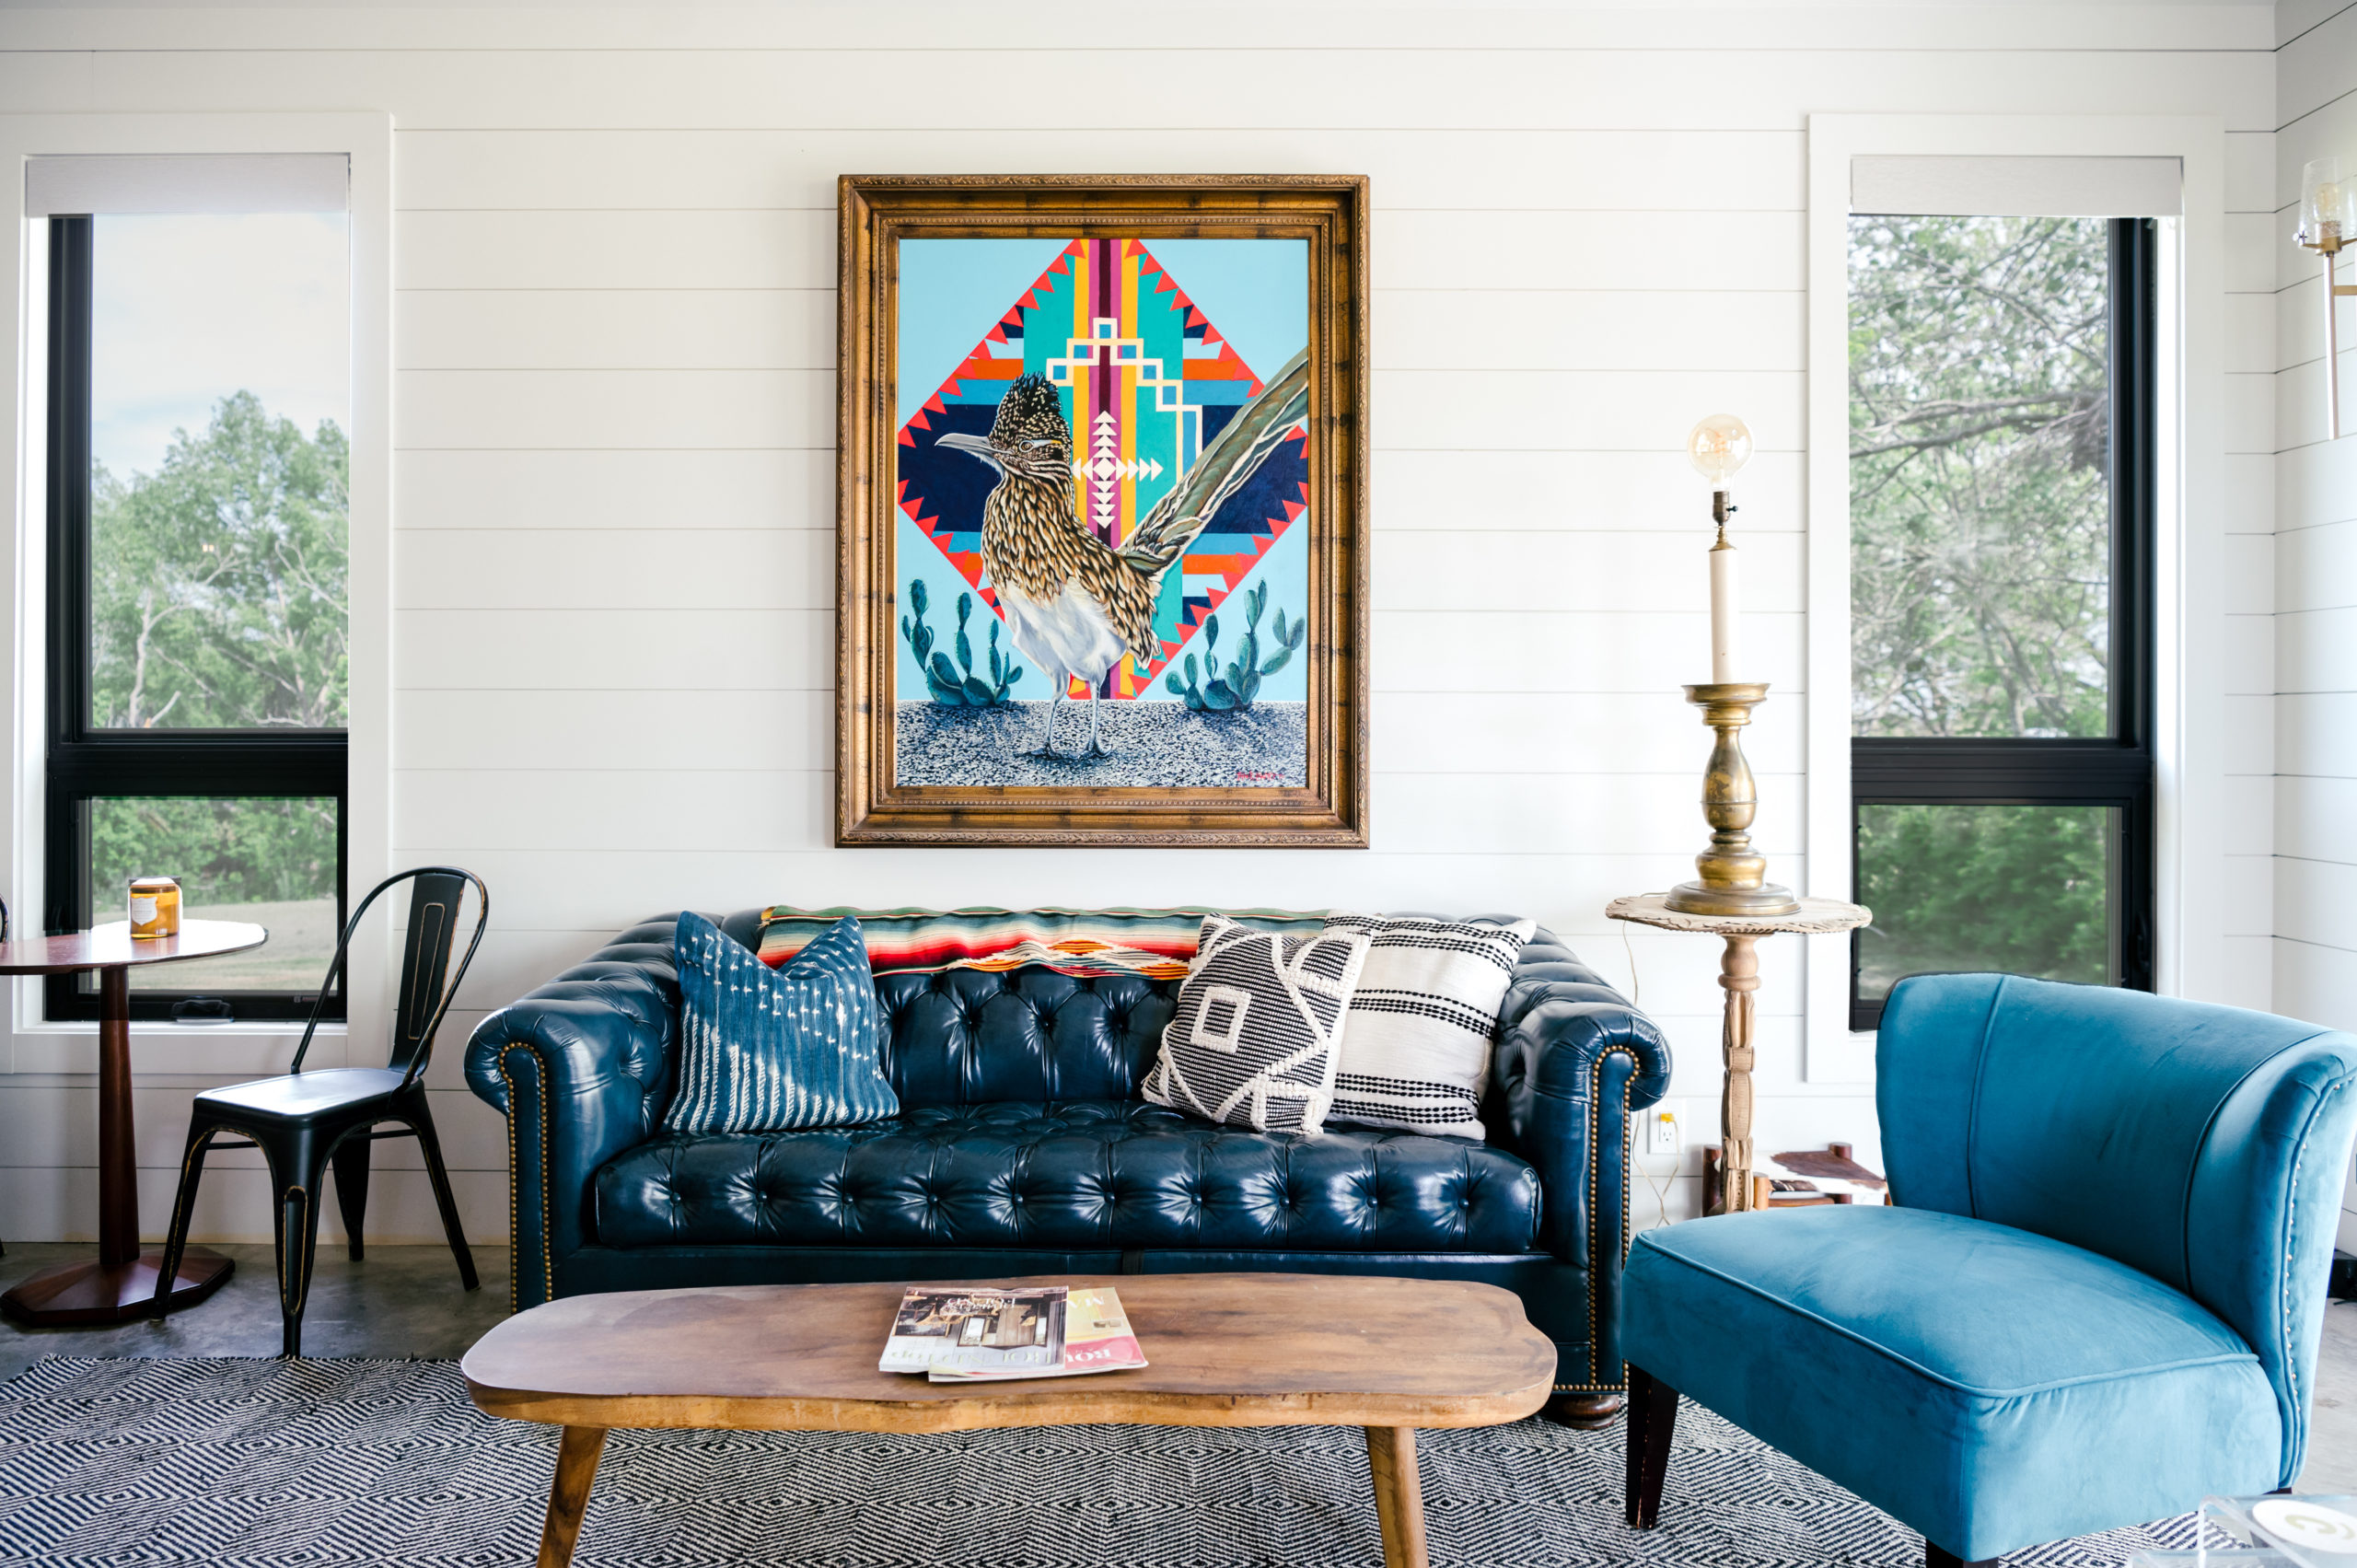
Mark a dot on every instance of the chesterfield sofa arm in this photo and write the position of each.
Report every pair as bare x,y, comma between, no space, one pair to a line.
582,1068
1574,1059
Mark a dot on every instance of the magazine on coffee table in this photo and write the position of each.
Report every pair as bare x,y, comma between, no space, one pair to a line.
981,1333
1097,1338
1017,1333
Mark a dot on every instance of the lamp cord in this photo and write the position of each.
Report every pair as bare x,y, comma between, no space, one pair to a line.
1636,995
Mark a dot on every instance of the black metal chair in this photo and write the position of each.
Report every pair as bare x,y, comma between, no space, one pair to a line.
303,1120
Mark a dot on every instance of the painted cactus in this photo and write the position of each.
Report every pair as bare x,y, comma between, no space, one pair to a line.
1231,690
958,685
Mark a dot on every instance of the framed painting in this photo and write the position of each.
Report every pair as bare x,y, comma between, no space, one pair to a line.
1102,511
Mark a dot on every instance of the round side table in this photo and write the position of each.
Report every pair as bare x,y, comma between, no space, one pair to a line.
1739,978
121,1284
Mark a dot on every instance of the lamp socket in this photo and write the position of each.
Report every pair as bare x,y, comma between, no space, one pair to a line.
1665,1128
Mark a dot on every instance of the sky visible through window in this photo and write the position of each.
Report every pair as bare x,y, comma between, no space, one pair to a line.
189,309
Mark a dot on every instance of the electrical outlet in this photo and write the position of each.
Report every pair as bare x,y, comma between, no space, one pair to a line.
1665,1128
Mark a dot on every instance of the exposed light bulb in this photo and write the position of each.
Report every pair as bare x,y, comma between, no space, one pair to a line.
1718,446
2327,206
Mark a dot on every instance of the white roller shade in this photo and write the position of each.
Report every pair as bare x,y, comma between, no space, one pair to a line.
2019,187
243,183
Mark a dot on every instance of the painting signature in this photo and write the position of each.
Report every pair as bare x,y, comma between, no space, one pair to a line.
1246,776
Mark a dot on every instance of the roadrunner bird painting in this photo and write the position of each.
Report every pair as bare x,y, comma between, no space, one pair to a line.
1102,445
1073,604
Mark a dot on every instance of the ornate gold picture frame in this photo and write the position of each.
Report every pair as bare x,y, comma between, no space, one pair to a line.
1101,510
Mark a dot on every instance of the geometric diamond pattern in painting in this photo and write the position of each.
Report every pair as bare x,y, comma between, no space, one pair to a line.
1146,380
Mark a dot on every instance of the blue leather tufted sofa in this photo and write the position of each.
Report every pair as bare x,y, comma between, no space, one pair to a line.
1023,1149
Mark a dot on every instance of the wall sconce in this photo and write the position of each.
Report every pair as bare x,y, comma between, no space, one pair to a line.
2328,222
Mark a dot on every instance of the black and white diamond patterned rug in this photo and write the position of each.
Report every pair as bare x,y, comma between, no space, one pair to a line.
237,1463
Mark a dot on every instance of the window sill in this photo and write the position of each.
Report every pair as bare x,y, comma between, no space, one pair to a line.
194,1050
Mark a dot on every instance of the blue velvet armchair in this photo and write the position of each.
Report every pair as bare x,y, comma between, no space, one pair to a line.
2100,1297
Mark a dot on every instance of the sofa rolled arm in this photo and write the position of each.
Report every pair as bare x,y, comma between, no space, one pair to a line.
582,1068
1572,1059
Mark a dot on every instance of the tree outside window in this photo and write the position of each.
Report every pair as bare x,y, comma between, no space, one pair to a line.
201,607
1985,549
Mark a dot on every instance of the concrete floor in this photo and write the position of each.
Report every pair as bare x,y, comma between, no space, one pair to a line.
406,1301
400,1301
2333,1419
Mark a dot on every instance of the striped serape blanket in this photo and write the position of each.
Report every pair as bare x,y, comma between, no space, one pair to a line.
1087,944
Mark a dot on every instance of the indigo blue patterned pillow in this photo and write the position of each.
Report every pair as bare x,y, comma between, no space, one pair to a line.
765,1050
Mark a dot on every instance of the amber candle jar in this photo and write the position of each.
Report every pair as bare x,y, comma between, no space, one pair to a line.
154,907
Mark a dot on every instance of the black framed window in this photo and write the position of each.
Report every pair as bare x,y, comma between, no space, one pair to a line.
197,611
2002,405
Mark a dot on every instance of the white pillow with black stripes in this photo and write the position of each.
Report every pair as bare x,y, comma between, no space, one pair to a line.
1416,1043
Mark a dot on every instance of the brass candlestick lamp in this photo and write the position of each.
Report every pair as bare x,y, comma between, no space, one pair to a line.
1733,875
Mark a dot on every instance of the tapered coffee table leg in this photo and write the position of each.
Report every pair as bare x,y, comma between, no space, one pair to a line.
1399,1494
576,1466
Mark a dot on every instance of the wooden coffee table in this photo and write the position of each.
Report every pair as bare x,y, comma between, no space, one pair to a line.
1228,1350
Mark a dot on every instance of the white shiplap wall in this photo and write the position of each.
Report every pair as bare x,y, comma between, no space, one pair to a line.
613,417
2315,564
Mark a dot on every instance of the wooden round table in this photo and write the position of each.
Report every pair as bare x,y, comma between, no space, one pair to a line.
121,1284
1739,977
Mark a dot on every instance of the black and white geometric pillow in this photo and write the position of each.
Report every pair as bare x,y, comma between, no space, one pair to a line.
1255,1042
1416,1044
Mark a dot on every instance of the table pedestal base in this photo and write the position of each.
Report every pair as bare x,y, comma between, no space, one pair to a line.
114,1293
1739,978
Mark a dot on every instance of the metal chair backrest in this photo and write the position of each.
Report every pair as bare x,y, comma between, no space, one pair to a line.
425,995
